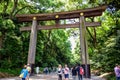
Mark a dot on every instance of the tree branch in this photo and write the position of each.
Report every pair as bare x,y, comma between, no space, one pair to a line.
14,7
20,9
5,6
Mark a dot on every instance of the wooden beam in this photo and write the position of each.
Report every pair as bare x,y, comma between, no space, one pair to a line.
90,12
61,26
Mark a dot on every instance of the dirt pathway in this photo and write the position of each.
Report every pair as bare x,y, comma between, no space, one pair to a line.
50,77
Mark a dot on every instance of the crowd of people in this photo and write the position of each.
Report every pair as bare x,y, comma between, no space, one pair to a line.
64,72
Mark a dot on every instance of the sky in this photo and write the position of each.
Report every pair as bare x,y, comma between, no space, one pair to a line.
73,43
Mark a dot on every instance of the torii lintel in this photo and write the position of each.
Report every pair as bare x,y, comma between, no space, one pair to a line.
90,12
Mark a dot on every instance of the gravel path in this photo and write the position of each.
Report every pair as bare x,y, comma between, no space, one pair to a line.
50,77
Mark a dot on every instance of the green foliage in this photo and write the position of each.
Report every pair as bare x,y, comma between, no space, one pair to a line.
107,50
52,46
52,50
12,72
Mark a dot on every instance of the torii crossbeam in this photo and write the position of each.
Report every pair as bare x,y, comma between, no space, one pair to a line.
90,12
82,24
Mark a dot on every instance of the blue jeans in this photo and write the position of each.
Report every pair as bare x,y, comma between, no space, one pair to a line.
60,77
80,77
117,78
74,77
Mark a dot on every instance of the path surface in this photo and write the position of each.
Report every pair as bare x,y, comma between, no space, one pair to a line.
49,77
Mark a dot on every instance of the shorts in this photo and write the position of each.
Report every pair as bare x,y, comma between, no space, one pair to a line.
66,75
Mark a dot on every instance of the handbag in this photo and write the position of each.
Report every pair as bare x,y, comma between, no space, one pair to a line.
21,75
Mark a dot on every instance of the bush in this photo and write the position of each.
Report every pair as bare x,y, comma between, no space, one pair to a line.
9,72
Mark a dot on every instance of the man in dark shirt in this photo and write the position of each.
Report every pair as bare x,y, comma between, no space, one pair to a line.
74,72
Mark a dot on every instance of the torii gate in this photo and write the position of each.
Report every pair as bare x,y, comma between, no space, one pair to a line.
82,24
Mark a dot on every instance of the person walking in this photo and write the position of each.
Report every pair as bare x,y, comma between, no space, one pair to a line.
66,72
24,73
117,71
29,70
59,72
74,73
37,70
80,72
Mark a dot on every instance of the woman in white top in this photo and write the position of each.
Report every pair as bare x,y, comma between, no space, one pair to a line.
59,72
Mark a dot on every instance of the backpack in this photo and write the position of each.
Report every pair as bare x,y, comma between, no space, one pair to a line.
81,71
21,75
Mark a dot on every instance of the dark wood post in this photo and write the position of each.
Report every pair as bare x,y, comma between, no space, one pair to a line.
32,45
84,47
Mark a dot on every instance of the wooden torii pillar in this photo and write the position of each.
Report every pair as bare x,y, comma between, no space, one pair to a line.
84,47
82,24
32,44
